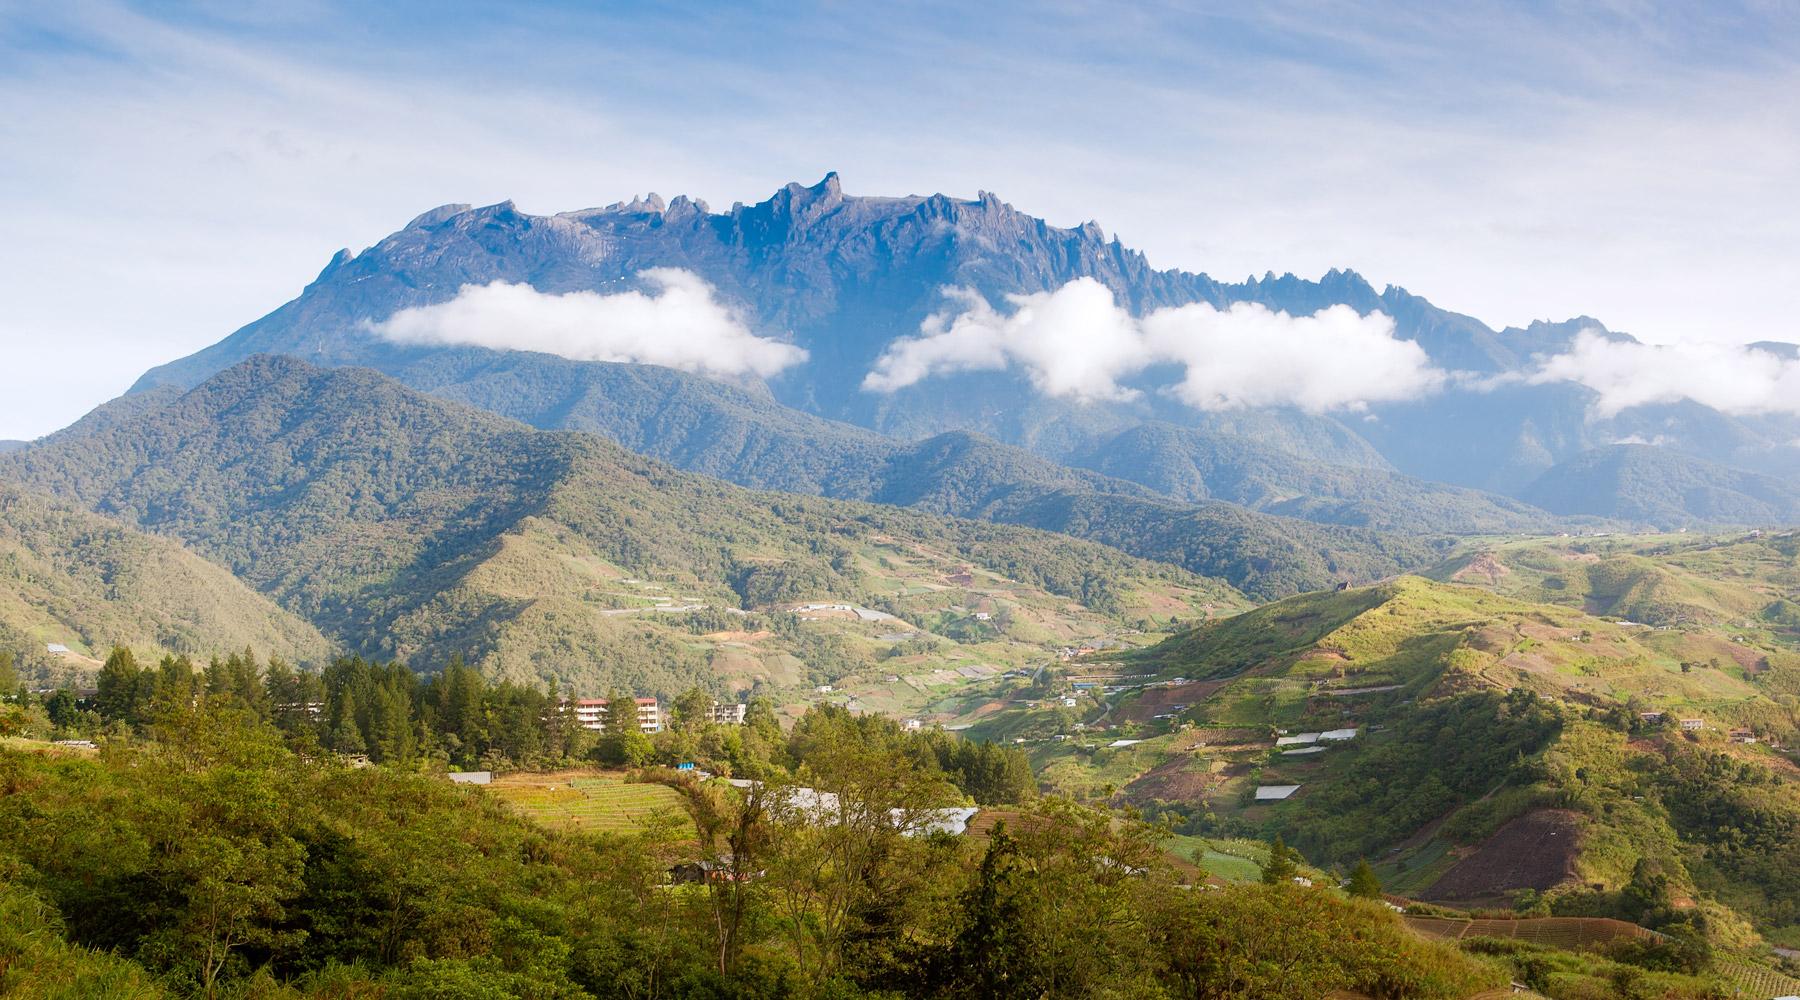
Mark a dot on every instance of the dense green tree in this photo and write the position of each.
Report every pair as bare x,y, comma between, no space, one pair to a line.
1280,867
119,688
61,707
1363,884
692,709
992,955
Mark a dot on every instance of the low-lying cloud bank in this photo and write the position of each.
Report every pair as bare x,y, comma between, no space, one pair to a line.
1729,378
680,325
1078,342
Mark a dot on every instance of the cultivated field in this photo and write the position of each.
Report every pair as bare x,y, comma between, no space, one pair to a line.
595,802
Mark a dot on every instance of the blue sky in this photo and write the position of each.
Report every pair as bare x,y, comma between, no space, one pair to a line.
169,173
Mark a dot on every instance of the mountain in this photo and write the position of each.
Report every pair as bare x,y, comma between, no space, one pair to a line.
1662,488
1191,464
404,525
85,582
6,446
735,433
967,475
845,276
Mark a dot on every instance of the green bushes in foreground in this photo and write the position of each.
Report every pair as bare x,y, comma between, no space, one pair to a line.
216,862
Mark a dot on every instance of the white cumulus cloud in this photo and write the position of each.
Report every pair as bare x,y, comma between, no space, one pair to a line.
680,324
1250,356
1732,379
1071,342
1078,342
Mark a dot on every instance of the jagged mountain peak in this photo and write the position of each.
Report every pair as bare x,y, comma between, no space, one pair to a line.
440,214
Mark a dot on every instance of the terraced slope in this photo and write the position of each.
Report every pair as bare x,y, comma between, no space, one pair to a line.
1476,745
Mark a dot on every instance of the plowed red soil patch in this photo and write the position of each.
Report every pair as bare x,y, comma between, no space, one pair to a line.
1535,851
1157,701
1221,739
1180,780
1483,567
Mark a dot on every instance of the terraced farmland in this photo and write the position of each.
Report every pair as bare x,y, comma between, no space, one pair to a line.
595,802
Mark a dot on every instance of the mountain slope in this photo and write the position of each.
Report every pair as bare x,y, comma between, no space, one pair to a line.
1748,581
845,276
1662,488
732,432
1499,747
703,425
406,525
736,433
1189,464
86,582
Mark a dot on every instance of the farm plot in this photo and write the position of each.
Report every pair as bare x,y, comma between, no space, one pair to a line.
595,803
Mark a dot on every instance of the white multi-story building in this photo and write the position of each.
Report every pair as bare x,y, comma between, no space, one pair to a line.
590,713
728,715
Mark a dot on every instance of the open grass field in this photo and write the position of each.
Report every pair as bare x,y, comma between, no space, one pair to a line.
1221,858
595,802
44,747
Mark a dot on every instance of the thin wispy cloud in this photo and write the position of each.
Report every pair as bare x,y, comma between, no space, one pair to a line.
678,323
1077,342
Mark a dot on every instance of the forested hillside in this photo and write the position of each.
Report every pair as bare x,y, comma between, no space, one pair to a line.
232,865
406,526
707,426
1663,489
1191,464
85,582
735,433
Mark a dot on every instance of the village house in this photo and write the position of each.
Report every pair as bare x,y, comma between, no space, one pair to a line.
1651,717
1692,725
709,870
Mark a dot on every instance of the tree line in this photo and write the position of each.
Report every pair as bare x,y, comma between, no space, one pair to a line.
458,719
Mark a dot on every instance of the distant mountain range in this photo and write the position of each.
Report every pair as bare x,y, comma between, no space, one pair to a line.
1650,485
846,278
